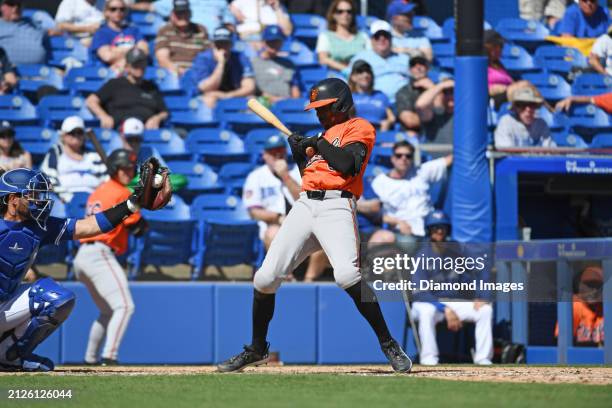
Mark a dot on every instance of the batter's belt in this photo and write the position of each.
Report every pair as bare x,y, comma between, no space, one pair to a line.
327,194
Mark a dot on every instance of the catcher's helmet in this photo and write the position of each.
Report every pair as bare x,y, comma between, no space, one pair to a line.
435,218
120,158
32,185
331,91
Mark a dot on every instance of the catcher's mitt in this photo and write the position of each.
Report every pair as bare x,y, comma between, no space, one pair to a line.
146,195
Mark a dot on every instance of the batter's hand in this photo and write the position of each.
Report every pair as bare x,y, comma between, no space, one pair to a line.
309,146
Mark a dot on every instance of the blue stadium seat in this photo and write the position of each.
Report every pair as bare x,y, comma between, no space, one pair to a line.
565,139
517,60
77,206
33,76
216,146
255,140
166,81
170,240
201,179
35,134
233,176
307,27
88,79
552,87
444,55
167,142
106,137
527,33
557,59
148,23
373,170
226,234
40,18
389,137
37,149
291,113
65,50
364,22
592,84
602,141
188,112
17,110
234,114
299,53
428,27
588,120
381,156
310,76
53,109
245,48
448,28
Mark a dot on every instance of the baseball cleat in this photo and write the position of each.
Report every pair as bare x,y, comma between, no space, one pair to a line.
32,363
248,358
108,362
400,362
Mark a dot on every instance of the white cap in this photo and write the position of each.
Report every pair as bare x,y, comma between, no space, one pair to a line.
132,127
71,123
380,25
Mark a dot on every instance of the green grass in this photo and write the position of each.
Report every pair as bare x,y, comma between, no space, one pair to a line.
321,390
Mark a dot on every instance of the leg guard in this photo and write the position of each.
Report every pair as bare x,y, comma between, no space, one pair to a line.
50,305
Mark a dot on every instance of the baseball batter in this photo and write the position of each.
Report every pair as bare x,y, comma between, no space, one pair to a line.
97,267
29,313
324,217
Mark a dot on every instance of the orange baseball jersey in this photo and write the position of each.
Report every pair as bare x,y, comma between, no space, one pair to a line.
604,101
104,197
318,175
588,322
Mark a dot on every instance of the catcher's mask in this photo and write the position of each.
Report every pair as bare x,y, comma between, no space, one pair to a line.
332,91
32,185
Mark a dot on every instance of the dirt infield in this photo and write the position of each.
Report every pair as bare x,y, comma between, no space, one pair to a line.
518,374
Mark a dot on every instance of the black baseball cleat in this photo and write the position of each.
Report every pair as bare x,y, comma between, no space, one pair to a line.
249,357
400,362
108,362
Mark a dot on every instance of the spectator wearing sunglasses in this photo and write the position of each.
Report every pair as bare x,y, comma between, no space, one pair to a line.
390,68
584,20
406,40
404,194
70,165
521,127
336,46
116,37
12,155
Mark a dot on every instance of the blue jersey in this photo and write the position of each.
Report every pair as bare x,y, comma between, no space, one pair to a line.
19,243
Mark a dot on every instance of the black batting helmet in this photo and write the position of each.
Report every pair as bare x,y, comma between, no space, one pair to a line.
120,158
331,91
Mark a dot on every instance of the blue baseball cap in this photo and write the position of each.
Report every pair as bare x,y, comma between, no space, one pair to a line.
272,33
399,7
222,34
274,142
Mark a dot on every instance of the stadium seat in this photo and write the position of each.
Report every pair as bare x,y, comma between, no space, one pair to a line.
33,76
588,120
170,239
592,84
53,109
37,148
307,27
233,176
166,81
188,112
86,80
374,170
602,141
245,48
216,146
17,110
35,134
389,137
67,52
527,33
299,53
201,179
77,206
106,137
565,139
234,114
428,27
364,22
40,18
448,28
381,156
167,142
226,234
557,59
517,60
444,55
148,23
291,113
310,76
552,87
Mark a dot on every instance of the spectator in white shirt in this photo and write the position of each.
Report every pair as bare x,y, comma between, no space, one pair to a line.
253,15
80,18
601,54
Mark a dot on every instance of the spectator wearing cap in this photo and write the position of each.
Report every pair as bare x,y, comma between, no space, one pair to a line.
80,18
8,74
221,73
12,155
116,37
131,137
406,97
405,39
178,42
208,13
370,104
276,77
435,108
390,68
587,19
252,15
336,46
521,127
129,96
23,41
70,166
600,58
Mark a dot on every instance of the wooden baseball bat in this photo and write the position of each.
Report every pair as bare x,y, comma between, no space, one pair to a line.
96,143
267,115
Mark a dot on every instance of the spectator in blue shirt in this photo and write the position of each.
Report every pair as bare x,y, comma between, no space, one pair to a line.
116,37
209,13
390,68
369,104
221,73
405,39
584,20
23,41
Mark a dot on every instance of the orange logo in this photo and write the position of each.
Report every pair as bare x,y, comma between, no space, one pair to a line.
314,92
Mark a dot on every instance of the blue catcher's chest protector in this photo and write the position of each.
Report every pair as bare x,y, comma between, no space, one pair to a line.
19,244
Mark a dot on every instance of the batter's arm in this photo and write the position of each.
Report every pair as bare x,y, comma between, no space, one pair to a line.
347,159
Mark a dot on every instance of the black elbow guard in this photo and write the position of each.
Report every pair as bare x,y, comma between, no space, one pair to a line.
359,152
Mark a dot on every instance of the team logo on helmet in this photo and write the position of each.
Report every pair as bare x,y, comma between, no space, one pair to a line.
314,93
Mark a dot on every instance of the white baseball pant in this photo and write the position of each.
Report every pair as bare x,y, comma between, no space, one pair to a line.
14,314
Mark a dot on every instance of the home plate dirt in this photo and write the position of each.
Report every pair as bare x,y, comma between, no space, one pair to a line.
519,374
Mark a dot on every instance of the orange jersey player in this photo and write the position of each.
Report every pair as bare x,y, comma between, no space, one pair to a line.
97,267
324,217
